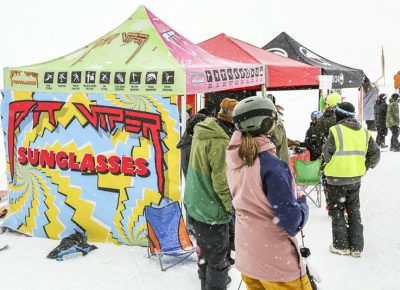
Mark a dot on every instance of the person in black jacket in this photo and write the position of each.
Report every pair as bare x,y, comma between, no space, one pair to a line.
312,141
185,143
380,111
348,153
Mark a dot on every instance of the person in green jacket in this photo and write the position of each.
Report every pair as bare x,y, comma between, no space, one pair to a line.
393,121
207,197
278,135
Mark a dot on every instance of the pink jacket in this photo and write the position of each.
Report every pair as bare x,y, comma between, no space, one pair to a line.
264,250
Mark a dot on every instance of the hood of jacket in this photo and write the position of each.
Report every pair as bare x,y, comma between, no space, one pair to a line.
328,113
391,100
380,102
351,123
186,140
232,154
209,128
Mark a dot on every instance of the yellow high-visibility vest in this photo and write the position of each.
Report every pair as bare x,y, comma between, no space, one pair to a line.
351,148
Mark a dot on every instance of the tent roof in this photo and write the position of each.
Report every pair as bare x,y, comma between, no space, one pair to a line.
281,71
141,56
343,76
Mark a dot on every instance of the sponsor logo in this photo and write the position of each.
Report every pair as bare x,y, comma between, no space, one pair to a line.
15,74
278,51
98,43
313,57
138,38
338,79
197,77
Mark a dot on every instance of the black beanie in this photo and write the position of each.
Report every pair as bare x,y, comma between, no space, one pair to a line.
192,121
395,96
344,110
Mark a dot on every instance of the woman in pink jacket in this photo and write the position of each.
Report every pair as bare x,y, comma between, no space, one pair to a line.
268,214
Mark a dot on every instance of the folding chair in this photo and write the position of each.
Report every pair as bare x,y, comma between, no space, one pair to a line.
307,175
167,235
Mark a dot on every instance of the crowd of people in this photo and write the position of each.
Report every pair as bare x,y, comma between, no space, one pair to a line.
240,193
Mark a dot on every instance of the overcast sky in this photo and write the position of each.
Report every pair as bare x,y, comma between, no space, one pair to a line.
349,32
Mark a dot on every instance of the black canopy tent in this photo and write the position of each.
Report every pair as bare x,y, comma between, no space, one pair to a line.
343,76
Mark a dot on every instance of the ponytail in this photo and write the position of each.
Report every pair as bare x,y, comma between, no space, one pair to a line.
248,149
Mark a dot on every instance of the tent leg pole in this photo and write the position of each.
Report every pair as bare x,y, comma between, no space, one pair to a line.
183,114
264,90
360,105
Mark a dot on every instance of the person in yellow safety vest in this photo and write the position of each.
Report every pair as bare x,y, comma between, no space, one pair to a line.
347,154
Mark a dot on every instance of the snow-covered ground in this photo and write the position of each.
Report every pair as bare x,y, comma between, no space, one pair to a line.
23,265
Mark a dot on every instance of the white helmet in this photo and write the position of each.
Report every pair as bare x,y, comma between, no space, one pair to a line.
255,115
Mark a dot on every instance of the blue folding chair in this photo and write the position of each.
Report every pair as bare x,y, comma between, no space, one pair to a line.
167,235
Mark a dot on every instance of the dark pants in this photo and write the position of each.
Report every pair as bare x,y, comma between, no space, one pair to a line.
371,125
346,198
394,142
213,241
381,134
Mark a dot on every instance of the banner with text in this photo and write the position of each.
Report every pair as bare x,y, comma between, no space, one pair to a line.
89,163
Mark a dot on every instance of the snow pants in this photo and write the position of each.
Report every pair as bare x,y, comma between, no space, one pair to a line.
394,142
298,284
346,198
381,134
213,266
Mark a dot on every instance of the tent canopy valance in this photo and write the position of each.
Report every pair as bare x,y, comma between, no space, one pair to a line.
343,76
281,72
142,56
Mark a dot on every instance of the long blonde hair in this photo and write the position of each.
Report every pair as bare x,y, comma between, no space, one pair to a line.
248,149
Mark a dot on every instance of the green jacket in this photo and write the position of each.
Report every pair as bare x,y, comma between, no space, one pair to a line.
392,116
207,198
278,137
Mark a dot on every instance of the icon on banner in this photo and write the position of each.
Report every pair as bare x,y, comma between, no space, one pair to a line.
261,71
135,78
209,76
62,77
168,77
105,77
151,78
76,77
119,78
230,74
223,74
236,73
216,75
48,77
252,72
90,77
